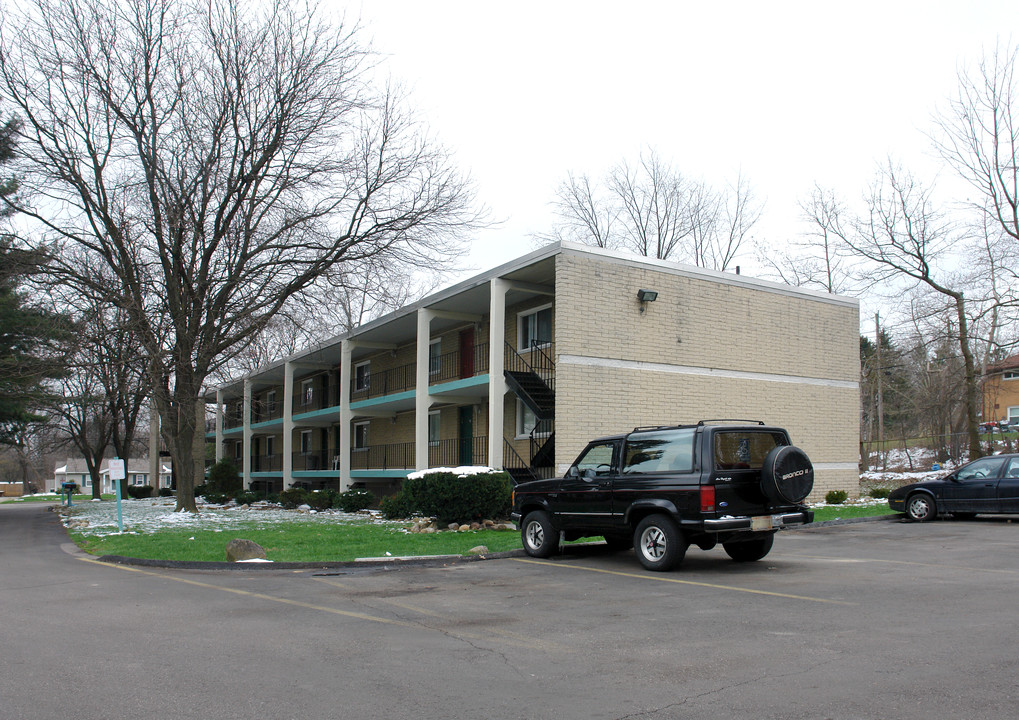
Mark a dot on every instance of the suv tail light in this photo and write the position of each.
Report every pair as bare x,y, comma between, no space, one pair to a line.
707,498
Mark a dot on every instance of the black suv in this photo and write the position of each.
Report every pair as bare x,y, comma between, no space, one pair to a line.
660,489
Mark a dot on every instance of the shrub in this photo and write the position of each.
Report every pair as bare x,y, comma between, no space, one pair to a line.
321,499
224,478
293,497
836,497
396,507
216,498
200,490
246,497
450,498
137,492
879,492
354,500
165,492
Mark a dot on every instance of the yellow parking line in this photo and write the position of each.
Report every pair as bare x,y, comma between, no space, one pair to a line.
668,579
261,596
504,636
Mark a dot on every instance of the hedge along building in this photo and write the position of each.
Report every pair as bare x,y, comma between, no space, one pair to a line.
519,367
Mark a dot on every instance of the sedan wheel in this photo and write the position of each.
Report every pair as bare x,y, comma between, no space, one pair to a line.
921,507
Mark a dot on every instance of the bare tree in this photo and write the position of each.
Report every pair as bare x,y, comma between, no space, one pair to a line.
978,135
905,235
653,200
585,218
651,209
219,158
822,259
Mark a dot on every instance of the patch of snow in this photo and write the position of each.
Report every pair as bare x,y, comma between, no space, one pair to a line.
460,471
152,515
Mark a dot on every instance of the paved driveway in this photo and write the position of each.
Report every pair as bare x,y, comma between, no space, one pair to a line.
874,620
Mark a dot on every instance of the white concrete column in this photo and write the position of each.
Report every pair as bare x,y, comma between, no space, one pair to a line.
288,424
154,444
346,414
496,365
220,419
422,402
246,441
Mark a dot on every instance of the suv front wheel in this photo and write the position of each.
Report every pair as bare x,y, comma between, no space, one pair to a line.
538,536
659,543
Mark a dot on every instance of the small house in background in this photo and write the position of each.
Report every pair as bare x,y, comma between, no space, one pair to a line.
1001,391
519,367
75,470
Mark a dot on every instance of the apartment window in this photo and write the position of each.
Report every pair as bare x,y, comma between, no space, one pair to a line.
270,446
361,435
362,375
238,452
434,355
270,403
1011,375
307,392
305,442
527,421
433,427
535,327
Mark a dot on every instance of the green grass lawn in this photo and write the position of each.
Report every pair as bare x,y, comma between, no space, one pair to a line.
843,512
298,542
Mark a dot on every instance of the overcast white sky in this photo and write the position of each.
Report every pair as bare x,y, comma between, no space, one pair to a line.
791,93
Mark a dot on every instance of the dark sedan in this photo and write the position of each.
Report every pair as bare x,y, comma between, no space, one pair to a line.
987,485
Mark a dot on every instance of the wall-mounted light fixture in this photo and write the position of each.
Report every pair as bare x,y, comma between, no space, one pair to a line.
645,297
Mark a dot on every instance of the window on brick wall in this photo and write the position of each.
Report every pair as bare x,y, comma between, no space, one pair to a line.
527,421
361,435
535,327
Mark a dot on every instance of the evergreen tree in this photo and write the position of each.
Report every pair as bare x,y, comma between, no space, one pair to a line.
30,335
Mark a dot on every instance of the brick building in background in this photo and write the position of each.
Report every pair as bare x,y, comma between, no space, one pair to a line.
520,366
1001,391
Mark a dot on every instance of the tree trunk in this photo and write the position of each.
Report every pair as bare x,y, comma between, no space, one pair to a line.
972,419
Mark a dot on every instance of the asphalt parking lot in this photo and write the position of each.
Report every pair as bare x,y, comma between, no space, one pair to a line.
871,620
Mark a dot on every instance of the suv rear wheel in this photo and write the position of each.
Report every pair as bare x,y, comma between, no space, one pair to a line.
659,543
538,536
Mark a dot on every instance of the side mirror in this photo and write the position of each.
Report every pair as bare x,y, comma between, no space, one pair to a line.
573,472
590,474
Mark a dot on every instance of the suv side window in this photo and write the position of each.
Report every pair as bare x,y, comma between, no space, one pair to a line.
744,450
662,451
597,458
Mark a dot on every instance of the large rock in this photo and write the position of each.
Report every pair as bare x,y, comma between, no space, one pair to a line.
238,549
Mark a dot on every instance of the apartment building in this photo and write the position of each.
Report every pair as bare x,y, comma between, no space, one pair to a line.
520,366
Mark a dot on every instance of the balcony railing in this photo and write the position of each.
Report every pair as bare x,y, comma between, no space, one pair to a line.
457,365
401,456
316,398
265,410
267,463
384,382
316,460
398,456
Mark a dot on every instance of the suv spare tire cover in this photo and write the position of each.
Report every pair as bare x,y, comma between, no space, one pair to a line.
787,474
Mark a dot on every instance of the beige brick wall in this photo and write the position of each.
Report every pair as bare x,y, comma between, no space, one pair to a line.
705,349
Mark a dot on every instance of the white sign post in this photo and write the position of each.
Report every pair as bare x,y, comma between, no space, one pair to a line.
118,473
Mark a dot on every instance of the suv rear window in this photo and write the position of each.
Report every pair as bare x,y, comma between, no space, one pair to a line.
659,451
744,450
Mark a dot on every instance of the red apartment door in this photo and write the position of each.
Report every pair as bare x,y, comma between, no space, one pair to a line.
467,353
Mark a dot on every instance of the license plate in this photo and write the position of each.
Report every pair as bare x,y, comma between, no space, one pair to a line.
760,522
